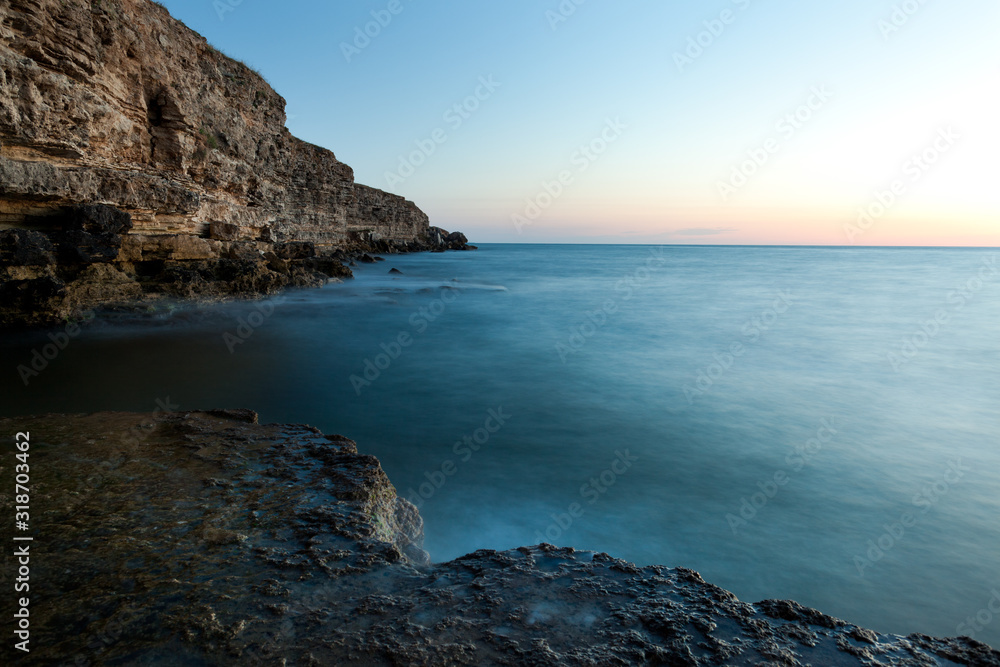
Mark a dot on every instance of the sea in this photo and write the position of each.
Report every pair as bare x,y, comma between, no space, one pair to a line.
810,423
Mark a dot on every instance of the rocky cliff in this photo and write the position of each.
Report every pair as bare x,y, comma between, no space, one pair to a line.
113,103
206,538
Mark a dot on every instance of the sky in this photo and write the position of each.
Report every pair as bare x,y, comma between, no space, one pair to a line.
861,122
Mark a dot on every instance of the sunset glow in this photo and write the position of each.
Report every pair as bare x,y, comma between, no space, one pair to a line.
741,122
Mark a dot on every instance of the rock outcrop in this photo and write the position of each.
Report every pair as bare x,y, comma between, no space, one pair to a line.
206,538
115,103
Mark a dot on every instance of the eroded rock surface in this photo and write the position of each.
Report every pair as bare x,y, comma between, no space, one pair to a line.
206,538
115,103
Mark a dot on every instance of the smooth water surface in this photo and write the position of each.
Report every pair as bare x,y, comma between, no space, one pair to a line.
817,424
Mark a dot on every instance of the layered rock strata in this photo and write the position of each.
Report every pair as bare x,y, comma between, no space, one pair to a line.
207,538
115,103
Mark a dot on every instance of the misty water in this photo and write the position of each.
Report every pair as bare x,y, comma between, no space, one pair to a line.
818,424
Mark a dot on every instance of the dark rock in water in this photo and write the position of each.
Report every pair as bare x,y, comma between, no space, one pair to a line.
212,539
379,259
395,271
438,239
366,259
327,266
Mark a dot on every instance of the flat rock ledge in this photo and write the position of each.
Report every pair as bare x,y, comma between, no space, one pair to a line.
207,538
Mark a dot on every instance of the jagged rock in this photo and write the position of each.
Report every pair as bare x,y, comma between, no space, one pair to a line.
456,239
25,248
395,271
100,284
440,239
296,250
225,231
126,139
89,234
207,538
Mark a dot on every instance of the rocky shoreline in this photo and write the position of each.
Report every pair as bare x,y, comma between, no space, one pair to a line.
139,165
207,538
84,259
137,162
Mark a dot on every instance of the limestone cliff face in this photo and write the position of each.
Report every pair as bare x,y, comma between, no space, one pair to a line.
113,102
116,102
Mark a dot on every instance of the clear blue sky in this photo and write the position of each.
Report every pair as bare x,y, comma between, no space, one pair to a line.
887,92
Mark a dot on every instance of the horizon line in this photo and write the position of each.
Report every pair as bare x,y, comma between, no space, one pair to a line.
747,245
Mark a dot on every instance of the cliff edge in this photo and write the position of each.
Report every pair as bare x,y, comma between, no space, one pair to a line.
136,160
207,538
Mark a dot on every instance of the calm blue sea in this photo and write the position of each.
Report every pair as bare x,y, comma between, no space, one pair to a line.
819,424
